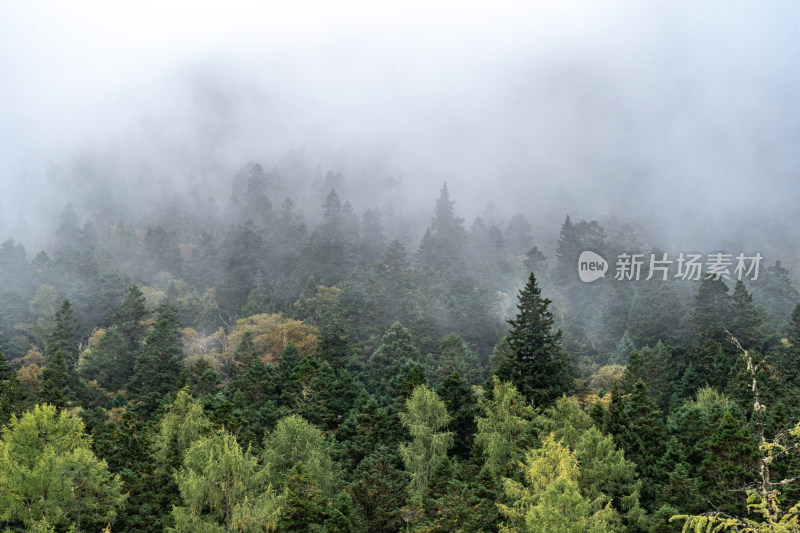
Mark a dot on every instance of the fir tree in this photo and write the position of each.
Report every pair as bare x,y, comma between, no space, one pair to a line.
10,391
712,310
538,367
62,337
659,373
305,393
341,517
55,382
655,315
678,488
747,320
776,293
257,299
129,319
634,371
519,234
624,347
159,366
245,354
463,407
379,490
128,448
110,361
641,435
483,493
394,278
567,251
440,248
729,466
253,391
392,359
790,360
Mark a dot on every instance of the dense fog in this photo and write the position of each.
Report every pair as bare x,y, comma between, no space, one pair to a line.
368,268
680,119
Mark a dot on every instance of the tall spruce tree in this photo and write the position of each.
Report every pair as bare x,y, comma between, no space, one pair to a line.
62,337
157,369
463,407
129,318
776,293
10,391
55,382
441,248
790,359
537,365
730,466
640,432
379,489
128,448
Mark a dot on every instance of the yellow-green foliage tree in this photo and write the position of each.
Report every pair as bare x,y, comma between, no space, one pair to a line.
181,426
49,476
425,417
506,416
549,499
294,440
224,489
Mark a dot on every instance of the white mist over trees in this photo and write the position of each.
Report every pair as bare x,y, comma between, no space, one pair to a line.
315,266
677,118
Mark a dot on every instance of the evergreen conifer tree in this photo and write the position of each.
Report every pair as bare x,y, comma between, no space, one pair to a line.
158,367
538,367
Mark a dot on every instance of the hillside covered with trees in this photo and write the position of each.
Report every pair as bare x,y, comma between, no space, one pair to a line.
279,361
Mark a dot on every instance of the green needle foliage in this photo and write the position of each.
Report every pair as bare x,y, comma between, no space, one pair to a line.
50,476
537,366
424,418
224,489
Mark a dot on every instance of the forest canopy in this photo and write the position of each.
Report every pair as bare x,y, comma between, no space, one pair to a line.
264,369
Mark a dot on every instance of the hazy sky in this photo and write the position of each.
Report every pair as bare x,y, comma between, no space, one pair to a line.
684,111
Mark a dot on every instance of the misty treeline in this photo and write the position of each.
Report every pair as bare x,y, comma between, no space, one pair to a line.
283,366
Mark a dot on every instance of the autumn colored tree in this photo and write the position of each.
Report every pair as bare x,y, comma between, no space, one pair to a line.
270,335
